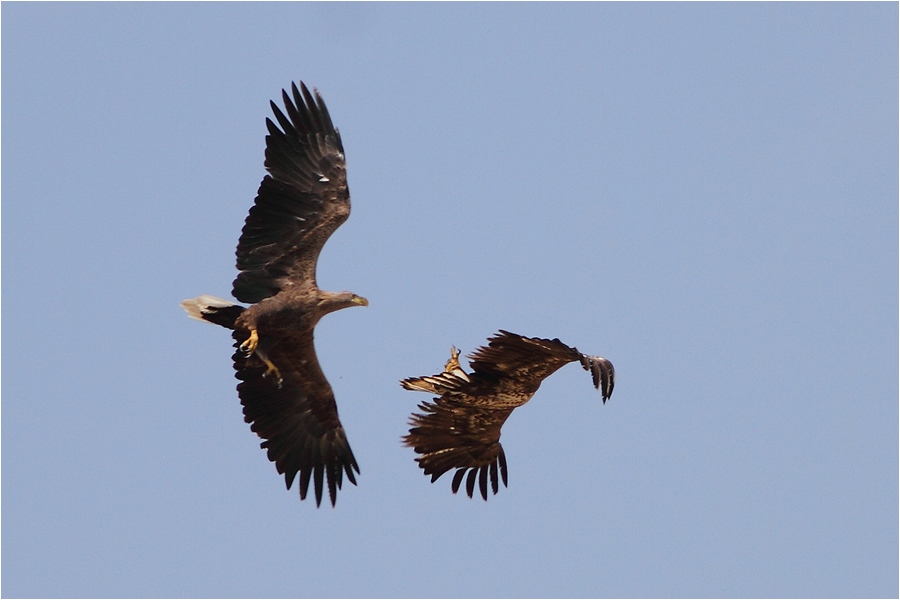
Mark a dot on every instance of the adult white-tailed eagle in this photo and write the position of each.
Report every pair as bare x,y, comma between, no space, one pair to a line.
286,398
461,428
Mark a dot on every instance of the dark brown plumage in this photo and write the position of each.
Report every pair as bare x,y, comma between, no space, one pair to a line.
461,428
287,399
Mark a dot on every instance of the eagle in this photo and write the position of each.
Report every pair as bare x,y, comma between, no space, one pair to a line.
302,200
461,428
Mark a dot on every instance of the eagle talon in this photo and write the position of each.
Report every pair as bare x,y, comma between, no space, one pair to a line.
249,345
273,370
452,367
453,363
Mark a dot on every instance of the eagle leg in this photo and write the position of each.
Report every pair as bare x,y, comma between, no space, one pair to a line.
453,367
453,363
271,369
251,347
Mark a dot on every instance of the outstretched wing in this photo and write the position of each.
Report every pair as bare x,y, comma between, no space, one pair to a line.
526,362
295,415
300,203
452,434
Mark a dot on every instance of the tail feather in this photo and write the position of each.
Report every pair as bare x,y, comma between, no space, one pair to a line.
437,384
212,310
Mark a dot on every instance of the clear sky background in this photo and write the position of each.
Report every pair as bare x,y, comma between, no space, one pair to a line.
705,194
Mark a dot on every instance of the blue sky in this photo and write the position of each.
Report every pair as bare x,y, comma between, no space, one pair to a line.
706,194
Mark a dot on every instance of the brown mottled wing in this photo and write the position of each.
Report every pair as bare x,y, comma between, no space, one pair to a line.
453,434
297,417
300,203
525,362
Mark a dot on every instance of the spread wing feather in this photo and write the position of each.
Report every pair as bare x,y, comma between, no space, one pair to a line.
602,373
300,203
451,434
296,417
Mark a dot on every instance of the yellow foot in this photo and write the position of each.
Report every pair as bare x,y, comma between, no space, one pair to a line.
453,367
453,363
249,346
271,370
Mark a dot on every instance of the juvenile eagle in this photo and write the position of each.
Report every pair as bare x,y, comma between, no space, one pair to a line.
304,198
461,428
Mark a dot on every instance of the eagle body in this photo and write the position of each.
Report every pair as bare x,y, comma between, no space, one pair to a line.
298,309
302,200
460,429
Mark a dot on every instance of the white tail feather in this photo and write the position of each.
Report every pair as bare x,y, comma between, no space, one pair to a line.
196,307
